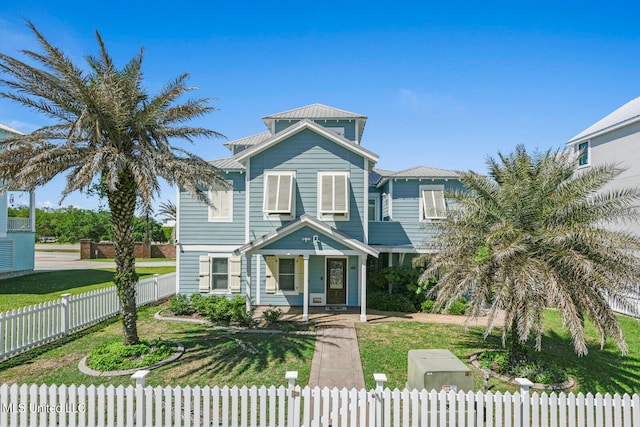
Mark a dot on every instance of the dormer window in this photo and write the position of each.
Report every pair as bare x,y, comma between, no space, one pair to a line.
278,193
339,131
333,195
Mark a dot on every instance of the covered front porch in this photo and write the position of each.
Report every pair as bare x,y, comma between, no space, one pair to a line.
307,263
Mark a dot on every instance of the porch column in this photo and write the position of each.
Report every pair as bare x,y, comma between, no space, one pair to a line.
248,257
305,303
32,210
363,287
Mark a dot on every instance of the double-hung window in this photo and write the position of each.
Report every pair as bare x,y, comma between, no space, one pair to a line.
287,274
333,195
221,208
219,274
278,193
583,153
432,203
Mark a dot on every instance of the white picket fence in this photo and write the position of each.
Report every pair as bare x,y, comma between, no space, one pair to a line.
29,327
293,406
632,306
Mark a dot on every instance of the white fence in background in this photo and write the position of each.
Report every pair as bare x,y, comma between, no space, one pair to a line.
293,406
29,327
18,224
632,306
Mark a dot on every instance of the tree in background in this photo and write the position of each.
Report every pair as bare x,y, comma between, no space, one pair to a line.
107,129
529,236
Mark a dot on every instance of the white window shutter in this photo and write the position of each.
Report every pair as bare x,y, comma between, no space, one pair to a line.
270,276
225,205
235,272
300,275
440,206
271,193
284,196
340,194
326,189
205,274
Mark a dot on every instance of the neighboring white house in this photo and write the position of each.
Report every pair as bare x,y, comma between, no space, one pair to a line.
614,139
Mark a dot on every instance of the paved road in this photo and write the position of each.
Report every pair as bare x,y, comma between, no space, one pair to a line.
50,261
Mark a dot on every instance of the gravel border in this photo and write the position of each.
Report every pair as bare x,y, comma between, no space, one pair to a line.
570,383
82,365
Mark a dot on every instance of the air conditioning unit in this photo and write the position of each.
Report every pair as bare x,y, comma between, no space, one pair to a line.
438,370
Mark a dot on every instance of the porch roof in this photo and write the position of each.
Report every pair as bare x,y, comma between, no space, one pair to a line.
313,223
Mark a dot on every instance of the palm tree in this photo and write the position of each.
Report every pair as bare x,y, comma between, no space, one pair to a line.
531,235
169,212
107,129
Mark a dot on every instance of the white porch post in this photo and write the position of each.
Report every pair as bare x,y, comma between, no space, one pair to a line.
363,287
32,210
305,303
248,257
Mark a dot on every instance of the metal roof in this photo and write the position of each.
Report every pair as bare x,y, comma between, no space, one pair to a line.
627,114
423,172
10,129
228,163
250,140
315,111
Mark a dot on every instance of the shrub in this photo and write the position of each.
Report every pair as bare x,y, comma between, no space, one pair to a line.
220,310
272,315
427,306
197,302
179,305
459,307
498,361
390,302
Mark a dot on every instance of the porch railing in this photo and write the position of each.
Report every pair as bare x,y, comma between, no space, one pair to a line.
19,224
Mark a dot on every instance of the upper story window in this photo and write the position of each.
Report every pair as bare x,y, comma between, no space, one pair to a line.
278,193
221,208
333,195
374,210
339,131
432,203
583,153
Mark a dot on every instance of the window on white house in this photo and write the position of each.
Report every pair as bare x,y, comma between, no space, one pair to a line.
287,274
333,194
219,274
432,203
583,153
278,193
221,208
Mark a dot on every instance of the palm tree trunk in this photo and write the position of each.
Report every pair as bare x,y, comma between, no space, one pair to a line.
122,203
518,352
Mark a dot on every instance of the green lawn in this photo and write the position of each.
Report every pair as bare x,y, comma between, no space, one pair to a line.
36,288
211,357
384,347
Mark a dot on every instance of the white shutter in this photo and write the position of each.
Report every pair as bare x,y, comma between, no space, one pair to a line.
235,271
340,194
221,203
433,204
270,276
271,193
326,194
205,274
284,193
440,206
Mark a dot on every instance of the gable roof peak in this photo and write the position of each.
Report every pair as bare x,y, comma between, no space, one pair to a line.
315,111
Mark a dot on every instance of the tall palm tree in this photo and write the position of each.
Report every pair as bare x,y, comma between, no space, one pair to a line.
107,129
532,235
169,212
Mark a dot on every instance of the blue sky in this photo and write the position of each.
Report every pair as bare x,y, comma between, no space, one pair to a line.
444,84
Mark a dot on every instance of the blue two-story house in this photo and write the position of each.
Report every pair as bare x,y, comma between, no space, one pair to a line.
305,215
17,234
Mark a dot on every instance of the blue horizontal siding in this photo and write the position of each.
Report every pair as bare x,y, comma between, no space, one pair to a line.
294,241
349,126
193,218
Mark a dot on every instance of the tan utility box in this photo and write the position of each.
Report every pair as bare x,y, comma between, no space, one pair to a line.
438,370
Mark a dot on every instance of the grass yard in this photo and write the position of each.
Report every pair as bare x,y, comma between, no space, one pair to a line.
36,288
211,357
384,347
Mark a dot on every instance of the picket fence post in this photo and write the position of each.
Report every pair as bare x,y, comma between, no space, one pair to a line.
65,313
139,377
155,286
291,377
525,402
380,379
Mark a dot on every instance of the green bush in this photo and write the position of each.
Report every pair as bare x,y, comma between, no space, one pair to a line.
384,301
498,361
220,310
271,315
427,306
197,302
459,307
179,304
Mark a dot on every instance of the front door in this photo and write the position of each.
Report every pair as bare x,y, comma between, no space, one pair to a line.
336,281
